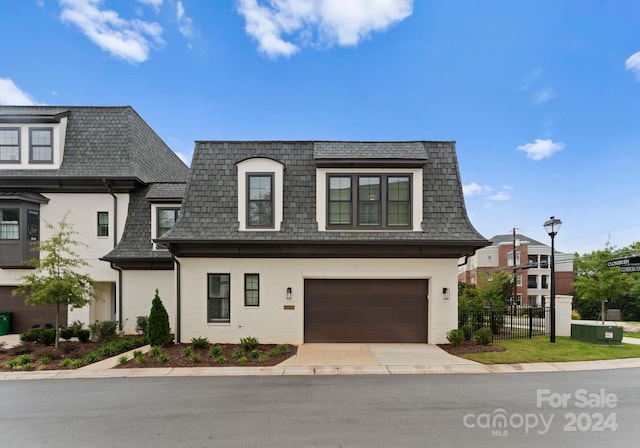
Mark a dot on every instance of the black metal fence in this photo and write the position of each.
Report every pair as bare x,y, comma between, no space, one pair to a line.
512,322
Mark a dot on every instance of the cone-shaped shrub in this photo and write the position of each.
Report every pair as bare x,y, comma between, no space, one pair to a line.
158,331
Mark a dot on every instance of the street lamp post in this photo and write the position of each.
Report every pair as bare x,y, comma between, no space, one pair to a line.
552,226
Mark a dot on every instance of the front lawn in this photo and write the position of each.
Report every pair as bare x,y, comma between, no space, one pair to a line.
564,349
632,335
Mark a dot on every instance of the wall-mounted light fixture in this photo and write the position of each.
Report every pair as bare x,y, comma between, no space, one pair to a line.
289,293
445,293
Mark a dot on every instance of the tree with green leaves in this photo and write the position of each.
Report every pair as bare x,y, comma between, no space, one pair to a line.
495,288
594,282
55,280
158,330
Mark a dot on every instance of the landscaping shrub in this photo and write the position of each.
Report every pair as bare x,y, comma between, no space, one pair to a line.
158,331
154,352
163,357
123,359
83,335
467,331
273,353
199,342
103,331
75,326
238,353
187,352
283,348
215,351
67,333
455,337
484,336
249,343
263,358
141,325
46,336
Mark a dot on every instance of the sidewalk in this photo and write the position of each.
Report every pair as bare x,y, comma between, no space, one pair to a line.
337,359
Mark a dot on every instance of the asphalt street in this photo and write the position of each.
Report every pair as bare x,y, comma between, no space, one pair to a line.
567,409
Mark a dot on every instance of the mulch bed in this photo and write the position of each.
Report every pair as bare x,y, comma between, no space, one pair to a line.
176,357
71,350
468,347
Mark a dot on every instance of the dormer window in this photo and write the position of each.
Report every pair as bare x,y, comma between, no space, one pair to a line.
167,217
260,200
379,201
40,145
10,145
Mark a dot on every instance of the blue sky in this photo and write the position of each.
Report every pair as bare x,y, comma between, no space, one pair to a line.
542,97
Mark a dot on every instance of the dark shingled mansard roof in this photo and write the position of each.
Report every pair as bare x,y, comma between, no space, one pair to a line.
104,142
210,209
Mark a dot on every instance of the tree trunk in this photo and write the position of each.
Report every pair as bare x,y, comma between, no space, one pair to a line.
57,324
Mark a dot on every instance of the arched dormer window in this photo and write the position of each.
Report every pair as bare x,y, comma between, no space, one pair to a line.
260,194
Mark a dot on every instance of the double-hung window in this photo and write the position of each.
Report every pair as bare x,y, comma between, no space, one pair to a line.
41,145
9,224
166,219
260,200
218,297
103,223
369,201
251,289
9,145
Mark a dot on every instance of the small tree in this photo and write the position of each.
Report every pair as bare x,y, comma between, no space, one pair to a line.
55,280
158,331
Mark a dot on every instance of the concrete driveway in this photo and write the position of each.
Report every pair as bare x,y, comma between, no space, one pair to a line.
374,355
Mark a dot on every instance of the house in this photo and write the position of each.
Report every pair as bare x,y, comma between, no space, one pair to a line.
319,241
532,267
107,171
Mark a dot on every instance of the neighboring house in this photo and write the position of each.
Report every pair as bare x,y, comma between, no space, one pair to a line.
300,241
102,167
532,267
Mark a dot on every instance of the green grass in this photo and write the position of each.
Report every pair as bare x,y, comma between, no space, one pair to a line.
631,335
564,349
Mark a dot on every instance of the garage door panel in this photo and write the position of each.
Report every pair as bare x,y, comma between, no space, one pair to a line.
24,317
365,310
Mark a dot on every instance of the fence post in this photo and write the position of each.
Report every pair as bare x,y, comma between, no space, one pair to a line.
530,322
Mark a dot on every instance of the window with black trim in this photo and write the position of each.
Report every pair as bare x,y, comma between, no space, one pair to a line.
379,201
260,200
41,145
103,223
10,145
166,218
218,297
9,224
251,289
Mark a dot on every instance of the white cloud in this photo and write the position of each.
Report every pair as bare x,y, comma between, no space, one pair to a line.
185,23
130,40
155,3
330,21
633,64
543,95
500,196
12,95
471,189
541,149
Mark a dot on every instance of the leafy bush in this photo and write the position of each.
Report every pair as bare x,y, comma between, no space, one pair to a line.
44,360
467,331
283,348
195,358
83,335
243,360
67,333
77,363
66,362
46,336
249,343
215,351
75,326
103,331
263,358
108,350
221,359
163,357
155,352
484,336
141,325
199,342
123,359
254,354
137,353
158,330
238,353
273,353
91,357
187,352
21,360
455,337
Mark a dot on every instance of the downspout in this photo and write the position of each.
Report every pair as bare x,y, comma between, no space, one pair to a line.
115,243
177,299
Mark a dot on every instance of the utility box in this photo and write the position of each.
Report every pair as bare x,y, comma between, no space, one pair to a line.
597,334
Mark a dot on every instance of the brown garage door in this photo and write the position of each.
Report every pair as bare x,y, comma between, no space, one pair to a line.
365,310
24,317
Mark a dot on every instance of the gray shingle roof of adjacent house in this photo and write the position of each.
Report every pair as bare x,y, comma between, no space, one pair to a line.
104,142
163,192
136,243
210,209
